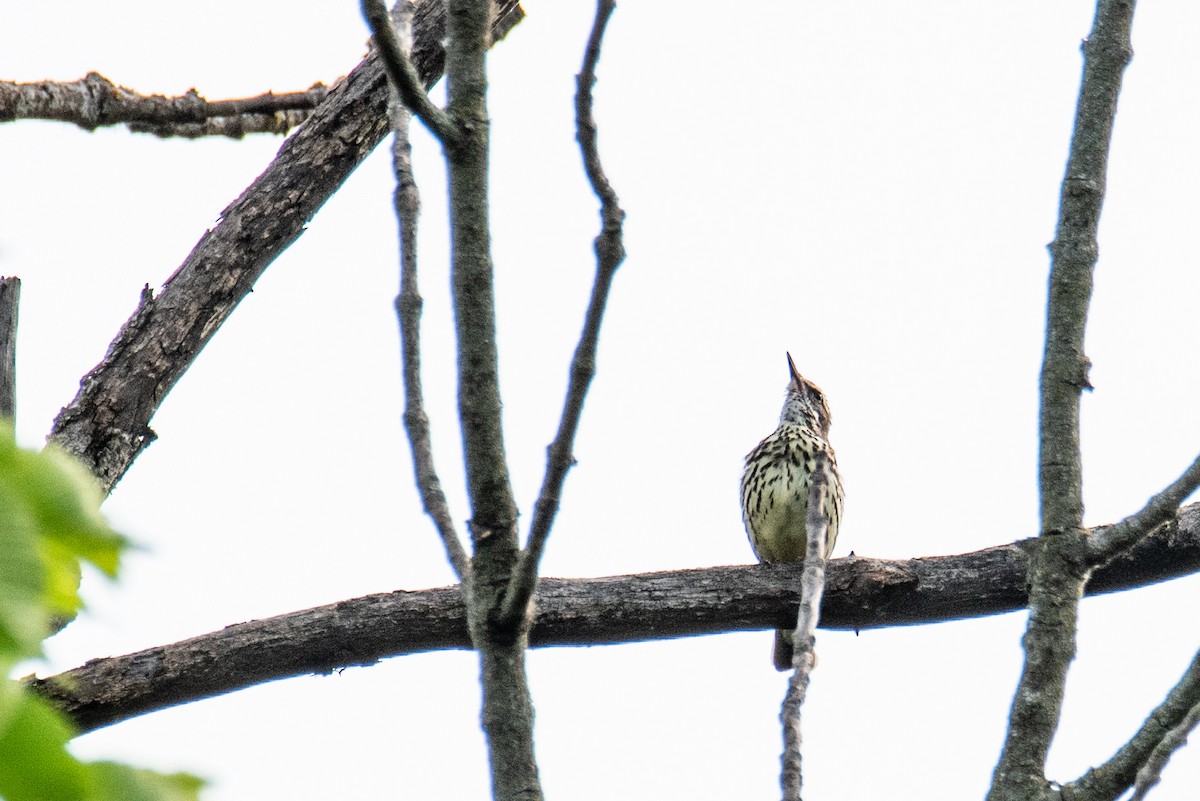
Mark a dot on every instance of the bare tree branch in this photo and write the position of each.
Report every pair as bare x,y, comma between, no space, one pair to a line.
1059,569
408,311
107,424
1162,507
502,643
492,505
804,638
239,127
95,101
860,594
1151,773
404,75
10,297
1141,760
610,252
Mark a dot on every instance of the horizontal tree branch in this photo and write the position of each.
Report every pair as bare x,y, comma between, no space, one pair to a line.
94,101
278,123
108,423
860,593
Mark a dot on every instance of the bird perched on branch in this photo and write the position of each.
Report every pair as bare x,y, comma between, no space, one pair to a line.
775,486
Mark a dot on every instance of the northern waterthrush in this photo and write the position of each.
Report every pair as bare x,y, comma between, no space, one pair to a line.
775,486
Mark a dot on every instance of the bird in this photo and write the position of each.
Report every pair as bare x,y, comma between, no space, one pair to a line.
775,486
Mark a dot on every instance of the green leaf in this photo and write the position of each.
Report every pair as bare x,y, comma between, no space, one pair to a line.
50,520
34,762
23,613
66,501
116,782
35,765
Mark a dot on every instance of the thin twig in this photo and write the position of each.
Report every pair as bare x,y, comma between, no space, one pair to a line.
408,311
404,75
610,252
804,658
1141,760
1108,542
239,127
1060,569
10,296
1151,772
95,101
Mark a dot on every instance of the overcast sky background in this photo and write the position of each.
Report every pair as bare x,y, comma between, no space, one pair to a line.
869,185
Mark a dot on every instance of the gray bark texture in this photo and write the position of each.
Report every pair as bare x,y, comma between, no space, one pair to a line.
108,423
860,594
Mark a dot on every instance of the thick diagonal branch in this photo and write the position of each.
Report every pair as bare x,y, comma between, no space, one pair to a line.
107,424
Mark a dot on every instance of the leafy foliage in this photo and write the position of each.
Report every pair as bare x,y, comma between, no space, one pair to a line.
50,522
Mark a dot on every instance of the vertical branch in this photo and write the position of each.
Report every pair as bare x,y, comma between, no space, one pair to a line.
507,706
408,312
1059,568
492,506
10,296
804,658
610,252
463,131
1074,252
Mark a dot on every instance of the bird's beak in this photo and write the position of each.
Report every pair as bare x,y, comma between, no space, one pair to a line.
796,377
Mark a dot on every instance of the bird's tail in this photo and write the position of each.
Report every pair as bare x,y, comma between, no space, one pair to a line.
783,649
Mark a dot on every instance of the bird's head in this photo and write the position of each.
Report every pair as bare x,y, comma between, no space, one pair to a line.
805,403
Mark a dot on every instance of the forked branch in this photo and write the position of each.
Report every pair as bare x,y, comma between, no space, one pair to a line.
1112,540
403,74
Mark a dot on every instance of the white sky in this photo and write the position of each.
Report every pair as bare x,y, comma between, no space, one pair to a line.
870,185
